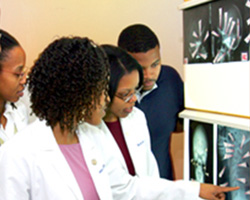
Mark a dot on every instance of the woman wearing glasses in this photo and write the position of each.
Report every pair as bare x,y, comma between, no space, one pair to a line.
127,123
126,129
13,117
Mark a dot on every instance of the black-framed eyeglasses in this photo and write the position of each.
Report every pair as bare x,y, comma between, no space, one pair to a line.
129,96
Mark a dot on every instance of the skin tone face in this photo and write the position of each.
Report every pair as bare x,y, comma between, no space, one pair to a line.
12,76
99,112
151,64
119,108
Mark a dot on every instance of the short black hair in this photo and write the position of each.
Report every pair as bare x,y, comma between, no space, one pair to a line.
121,63
7,42
137,38
67,81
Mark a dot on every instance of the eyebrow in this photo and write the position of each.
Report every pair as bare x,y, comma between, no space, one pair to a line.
19,68
158,60
124,90
127,90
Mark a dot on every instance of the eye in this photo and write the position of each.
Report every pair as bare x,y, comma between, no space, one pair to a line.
125,94
155,64
19,74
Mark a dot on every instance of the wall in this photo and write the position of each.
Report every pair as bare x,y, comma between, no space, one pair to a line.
37,23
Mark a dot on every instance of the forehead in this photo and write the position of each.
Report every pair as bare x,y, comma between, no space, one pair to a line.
129,81
15,57
147,58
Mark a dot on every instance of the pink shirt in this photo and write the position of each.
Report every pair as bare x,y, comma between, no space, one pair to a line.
74,156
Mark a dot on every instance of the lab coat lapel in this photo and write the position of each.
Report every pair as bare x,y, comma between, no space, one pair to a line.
116,151
51,153
133,142
19,118
92,140
128,129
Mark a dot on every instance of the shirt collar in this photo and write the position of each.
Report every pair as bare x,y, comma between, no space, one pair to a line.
141,96
8,108
10,111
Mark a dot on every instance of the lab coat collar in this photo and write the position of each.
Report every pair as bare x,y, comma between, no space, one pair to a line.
116,151
10,110
50,151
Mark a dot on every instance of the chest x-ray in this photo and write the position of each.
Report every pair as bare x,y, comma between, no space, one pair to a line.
234,161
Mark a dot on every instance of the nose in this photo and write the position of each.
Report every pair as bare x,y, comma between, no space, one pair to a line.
23,79
146,73
108,99
134,98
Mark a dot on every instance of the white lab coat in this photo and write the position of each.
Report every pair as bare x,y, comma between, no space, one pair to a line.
146,185
32,166
137,138
17,119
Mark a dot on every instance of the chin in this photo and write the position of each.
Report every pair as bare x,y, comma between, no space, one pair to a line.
95,123
14,100
124,115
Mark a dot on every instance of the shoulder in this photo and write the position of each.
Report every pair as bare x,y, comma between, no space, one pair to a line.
169,76
31,137
169,71
136,114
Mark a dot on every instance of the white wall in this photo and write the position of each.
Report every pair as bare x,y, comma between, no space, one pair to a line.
35,23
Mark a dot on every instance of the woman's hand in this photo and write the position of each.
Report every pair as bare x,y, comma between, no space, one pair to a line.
214,192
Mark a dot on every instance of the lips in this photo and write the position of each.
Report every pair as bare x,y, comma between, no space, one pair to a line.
148,83
128,110
20,92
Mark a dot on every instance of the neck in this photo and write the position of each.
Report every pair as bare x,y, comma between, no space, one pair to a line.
110,117
2,107
65,136
3,120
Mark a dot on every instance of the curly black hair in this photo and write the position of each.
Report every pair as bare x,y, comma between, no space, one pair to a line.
67,80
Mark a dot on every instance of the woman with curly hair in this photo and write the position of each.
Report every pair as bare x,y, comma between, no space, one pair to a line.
13,117
56,156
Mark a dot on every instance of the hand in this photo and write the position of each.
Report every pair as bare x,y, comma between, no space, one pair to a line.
214,192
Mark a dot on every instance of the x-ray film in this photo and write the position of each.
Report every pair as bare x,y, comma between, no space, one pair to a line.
201,151
234,161
220,34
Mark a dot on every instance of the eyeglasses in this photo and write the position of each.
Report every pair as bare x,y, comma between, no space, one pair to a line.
126,98
19,75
